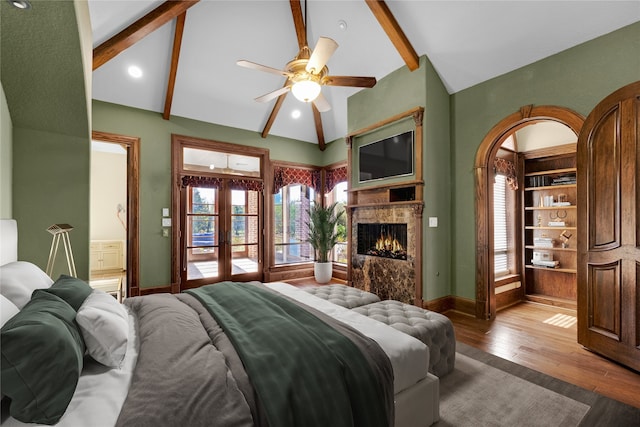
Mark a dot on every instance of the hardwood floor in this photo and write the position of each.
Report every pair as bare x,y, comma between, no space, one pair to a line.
543,338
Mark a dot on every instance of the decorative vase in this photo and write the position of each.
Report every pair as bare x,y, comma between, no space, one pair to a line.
323,271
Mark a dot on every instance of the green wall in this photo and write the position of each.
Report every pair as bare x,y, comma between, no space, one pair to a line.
577,78
6,158
155,169
51,186
43,80
396,93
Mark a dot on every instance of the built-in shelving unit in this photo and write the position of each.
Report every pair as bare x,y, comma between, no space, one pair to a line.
550,227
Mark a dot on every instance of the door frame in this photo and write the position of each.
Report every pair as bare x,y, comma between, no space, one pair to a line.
132,145
485,305
177,143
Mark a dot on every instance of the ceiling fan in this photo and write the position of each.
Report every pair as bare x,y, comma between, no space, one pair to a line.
307,72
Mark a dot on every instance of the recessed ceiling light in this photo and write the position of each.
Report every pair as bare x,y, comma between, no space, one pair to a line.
342,25
135,71
20,4
212,166
295,114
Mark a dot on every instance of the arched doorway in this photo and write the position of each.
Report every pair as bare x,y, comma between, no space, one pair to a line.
485,295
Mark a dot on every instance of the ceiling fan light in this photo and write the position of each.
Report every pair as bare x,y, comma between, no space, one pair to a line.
306,90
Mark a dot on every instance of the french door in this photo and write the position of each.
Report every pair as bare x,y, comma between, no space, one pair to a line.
221,238
218,206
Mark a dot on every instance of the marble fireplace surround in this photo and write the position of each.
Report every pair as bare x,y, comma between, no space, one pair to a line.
389,278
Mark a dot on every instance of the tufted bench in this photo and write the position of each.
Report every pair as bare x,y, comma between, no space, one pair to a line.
433,329
343,295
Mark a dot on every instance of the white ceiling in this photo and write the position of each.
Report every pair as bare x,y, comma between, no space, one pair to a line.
468,42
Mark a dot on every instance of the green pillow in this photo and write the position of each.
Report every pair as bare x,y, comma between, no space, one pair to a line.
42,353
71,289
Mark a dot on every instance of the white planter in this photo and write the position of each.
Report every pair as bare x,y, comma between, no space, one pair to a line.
323,271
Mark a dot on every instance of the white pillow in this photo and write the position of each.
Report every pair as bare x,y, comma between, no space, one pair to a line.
104,326
19,279
7,309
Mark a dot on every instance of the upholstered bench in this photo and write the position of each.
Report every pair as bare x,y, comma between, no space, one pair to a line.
433,329
343,295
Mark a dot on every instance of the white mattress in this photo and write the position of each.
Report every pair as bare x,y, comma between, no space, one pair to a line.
409,356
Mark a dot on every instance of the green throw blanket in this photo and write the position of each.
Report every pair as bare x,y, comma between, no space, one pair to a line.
305,373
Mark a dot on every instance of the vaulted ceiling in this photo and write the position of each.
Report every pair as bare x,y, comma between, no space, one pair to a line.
187,51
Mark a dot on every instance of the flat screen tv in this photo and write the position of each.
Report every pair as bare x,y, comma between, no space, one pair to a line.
387,158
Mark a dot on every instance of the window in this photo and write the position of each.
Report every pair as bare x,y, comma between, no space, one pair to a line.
500,227
291,205
339,194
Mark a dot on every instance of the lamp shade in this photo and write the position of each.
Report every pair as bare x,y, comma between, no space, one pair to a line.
306,90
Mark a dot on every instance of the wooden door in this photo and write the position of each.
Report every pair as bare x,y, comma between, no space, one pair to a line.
221,238
609,227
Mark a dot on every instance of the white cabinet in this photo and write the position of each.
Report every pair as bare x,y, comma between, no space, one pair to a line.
106,255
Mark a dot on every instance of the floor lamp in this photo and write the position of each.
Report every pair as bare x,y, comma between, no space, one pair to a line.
61,231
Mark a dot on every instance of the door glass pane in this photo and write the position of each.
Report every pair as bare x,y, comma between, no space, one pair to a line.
202,263
244,232
202,231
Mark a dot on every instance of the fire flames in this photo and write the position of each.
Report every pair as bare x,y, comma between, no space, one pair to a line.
389,247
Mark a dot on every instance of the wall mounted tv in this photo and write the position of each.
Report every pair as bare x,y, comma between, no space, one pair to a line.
386,158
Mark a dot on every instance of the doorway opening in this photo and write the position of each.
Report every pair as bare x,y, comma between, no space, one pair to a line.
491,146
113,260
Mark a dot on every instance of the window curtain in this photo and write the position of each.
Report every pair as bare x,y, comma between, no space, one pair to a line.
507,168
211,182
335,176
285,176
201,181
246,184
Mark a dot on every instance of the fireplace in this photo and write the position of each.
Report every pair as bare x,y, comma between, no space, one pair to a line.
386,240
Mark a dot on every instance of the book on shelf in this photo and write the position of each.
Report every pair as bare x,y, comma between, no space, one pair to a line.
554,204
565,179
556,224
545,263
543,242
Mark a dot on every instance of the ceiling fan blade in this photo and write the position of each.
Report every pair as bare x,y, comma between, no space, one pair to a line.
321,54
271,95
321,103
254,66
349,81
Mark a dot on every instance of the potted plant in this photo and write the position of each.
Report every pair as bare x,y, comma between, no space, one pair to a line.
323,236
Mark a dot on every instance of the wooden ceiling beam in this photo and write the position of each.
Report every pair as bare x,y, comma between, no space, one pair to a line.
298,22
175,57
274,112
319,130
138,30
394,32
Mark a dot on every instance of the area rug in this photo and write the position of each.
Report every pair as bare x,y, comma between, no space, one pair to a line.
486,390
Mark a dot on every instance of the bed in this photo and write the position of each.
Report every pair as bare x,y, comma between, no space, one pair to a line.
141,363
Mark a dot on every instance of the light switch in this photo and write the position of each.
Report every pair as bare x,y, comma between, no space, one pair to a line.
166,222
165,211
433,221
